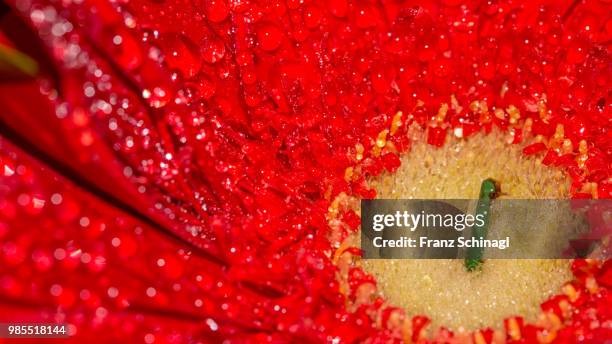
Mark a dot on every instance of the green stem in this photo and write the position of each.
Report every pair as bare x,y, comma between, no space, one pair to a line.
14,63
488,191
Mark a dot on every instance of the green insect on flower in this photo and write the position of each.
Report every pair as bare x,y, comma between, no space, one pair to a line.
489,190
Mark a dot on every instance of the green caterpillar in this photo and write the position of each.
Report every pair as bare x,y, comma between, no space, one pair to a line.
489,189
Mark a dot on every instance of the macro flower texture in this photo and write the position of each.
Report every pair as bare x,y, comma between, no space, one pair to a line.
176,171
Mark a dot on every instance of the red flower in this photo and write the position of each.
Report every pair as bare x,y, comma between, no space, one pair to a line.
167,172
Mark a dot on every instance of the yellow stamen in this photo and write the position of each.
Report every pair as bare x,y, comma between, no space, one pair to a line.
442,113
359,149
514,114
479,338
557,139
543,110
583,155
504,89
396,122
348,174
499,113
381,141
527,127
567,146
455,104
514,331
571,292
591,285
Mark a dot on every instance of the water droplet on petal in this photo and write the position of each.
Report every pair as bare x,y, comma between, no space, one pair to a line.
212,49
216,10
157,98
269,36
124,49
181,54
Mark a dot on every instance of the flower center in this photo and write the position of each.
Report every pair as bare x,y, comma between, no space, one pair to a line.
442,289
